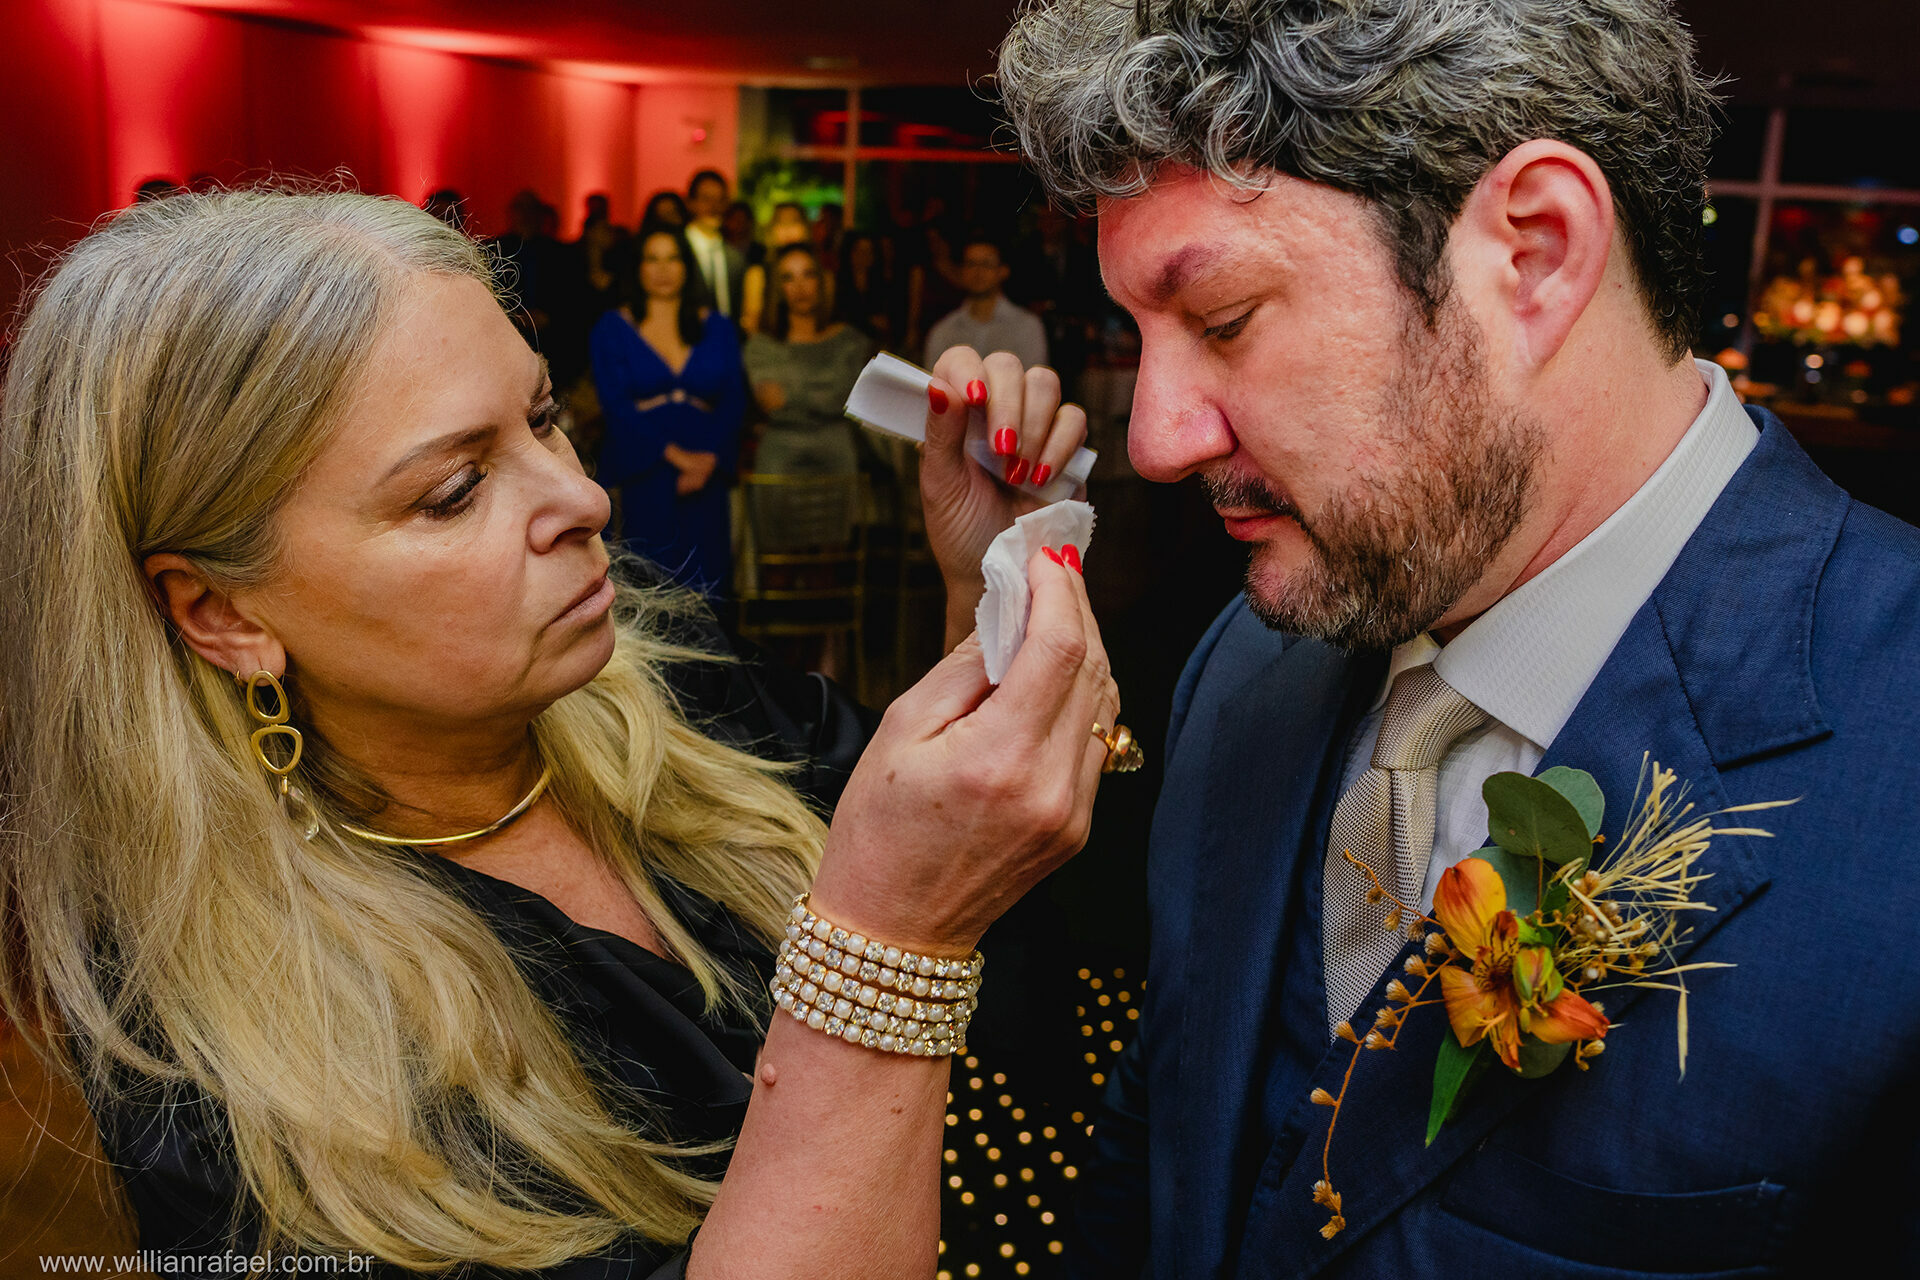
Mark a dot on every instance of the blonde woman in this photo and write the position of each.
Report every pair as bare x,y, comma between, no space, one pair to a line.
400,878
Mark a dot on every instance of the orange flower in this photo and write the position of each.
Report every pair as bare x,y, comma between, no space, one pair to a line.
1511,989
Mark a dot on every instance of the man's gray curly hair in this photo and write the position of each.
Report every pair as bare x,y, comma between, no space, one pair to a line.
1407,103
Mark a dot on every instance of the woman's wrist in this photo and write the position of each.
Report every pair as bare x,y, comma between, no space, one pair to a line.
963,603
894,919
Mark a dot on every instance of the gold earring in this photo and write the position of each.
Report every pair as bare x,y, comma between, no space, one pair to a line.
272,724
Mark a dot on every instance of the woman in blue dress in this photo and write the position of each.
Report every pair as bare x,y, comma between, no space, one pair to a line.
673,390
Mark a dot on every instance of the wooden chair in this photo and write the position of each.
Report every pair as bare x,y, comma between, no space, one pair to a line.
800,567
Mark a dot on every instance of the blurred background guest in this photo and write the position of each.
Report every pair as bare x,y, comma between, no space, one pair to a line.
801,368
987,321
788,226
448,205
829,222
664,209
598,254
721,266
672,391
599,208
547,280
932,273
1056,275
863,292
740,229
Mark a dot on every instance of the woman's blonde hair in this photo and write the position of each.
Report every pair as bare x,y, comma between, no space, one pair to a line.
392,1084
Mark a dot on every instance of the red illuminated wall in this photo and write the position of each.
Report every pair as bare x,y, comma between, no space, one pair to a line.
98,95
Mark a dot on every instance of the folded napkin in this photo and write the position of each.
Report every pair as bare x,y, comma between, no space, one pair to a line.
1002,615
891,396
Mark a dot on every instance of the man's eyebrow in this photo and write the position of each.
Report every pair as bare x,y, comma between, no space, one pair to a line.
1180,269
541,377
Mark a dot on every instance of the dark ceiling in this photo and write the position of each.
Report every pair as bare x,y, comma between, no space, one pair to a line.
1842,53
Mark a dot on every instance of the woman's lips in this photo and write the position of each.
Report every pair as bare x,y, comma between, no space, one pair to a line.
591,603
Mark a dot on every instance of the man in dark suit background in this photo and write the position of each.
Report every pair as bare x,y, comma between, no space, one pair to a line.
723,268
1416,282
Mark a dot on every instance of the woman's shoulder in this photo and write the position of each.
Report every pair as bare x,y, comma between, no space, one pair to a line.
763,349
612,328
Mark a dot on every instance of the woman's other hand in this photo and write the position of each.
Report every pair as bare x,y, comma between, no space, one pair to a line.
969,795
1033,434
695,467
771,396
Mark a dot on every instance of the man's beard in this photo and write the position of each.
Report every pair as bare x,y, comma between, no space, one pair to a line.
1390,559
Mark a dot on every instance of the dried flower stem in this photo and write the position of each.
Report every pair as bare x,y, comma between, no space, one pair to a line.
1324,1193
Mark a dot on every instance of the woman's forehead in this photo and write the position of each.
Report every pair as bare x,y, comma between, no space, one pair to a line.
447,357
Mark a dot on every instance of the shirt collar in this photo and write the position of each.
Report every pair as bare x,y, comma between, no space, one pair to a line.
1529,659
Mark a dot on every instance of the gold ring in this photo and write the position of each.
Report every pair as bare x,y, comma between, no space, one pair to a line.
1123,753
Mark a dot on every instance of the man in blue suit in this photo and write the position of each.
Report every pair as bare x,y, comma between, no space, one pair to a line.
1416,281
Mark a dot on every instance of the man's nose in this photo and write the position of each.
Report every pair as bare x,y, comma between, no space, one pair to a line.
1176,426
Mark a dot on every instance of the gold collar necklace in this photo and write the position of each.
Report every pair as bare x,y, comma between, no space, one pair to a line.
426,842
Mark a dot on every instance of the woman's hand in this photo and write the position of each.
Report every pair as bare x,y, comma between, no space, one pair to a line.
966,508
771,395
969,795
695,467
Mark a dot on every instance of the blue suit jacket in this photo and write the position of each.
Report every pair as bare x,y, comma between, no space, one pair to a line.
1779,658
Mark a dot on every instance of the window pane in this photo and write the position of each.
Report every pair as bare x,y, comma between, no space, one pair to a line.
1872,148
1736,152
1729,249
1832,314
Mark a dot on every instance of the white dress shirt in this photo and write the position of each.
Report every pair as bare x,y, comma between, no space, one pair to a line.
1529,659
711,252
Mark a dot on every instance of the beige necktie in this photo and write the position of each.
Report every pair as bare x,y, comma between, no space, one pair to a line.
1386,819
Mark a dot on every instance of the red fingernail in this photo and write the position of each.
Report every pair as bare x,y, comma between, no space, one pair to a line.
1016,471
1004,440
976,392
1042,474
1071,554
937,398
1053,555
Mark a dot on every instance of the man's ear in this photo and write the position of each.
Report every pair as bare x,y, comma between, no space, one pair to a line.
1540,227
209,620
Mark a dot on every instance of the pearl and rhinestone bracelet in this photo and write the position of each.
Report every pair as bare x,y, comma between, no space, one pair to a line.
872,994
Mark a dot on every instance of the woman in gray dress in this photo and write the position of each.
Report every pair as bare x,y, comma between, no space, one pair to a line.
801,369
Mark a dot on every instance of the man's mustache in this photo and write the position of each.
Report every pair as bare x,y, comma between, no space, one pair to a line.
1247,493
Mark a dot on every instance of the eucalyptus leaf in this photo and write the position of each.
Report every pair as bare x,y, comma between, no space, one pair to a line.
1582,792
1453,1070
1521,876
1538,1058
1529,818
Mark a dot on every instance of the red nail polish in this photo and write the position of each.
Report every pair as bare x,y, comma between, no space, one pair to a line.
1042,474
1016,471
936,398
1071,554
1053,555
1004,440
976,392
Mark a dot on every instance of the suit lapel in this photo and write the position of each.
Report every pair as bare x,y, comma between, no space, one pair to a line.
1748,667
1285,722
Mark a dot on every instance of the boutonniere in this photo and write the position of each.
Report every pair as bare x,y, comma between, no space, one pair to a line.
1526,933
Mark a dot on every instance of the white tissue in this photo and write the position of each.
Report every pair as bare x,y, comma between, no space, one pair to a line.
891,396
1002,615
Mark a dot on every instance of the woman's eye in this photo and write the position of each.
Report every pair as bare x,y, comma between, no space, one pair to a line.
545,416
457,498
1229,330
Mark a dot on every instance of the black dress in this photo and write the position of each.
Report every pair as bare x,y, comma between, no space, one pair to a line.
633,1017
